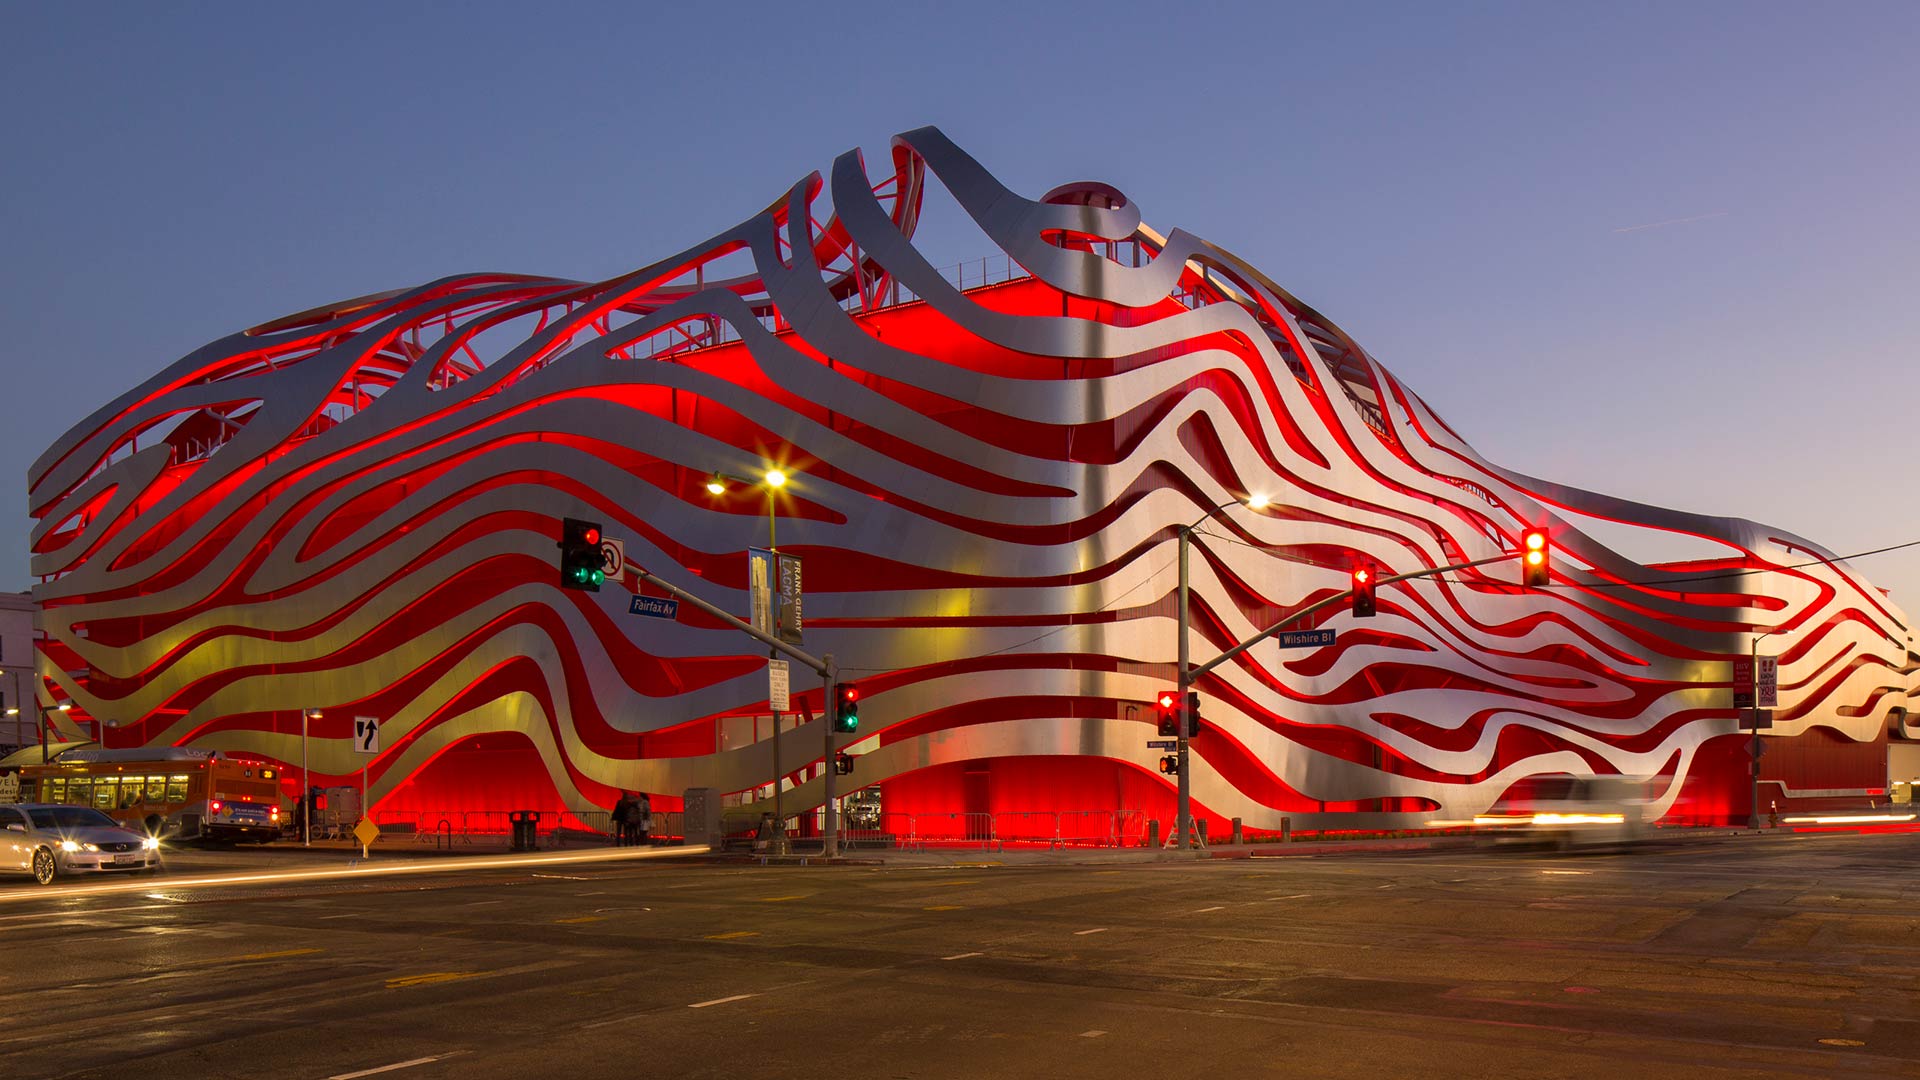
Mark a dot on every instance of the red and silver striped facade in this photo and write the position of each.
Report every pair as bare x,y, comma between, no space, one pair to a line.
354,509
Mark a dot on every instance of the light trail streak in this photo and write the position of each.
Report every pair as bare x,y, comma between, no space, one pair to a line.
423,866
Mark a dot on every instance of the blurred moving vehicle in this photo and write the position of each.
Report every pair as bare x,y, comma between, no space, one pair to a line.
1571,811
49,841
176,792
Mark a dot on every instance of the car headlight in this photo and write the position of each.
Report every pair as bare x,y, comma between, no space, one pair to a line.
68,845
151,843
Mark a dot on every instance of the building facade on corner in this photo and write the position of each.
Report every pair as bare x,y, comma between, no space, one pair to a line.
355,509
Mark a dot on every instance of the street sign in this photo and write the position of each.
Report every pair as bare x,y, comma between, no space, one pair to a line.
613,553
1163,744
777,685
366,734
1768,684
366,832
1303,639
654,607
1757,720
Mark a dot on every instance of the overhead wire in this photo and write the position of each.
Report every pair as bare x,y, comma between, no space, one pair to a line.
1661,583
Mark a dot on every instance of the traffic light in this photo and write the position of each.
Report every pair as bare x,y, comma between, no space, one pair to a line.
1169,718
1363,592
1533,558
581,564
1193,713
1169,764
846,710
843,764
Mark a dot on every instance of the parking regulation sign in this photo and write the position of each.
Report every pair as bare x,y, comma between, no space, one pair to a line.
777,685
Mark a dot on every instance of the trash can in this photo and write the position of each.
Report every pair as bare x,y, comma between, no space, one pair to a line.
526,828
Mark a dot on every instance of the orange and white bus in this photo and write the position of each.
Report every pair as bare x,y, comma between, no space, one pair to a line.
174,792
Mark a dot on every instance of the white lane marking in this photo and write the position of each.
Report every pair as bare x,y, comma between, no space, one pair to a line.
721,1001
1295,896
395,1065
1095,930
483,903
962,956
1091,1034
348,915
1204,910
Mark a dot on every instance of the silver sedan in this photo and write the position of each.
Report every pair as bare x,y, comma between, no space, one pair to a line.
48,841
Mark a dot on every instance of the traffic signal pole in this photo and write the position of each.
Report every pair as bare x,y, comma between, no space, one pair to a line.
829,767
1183,824
1188,674
824,665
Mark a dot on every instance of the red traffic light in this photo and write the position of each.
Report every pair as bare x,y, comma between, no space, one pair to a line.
1363,606
850,693
1167,699
1533,558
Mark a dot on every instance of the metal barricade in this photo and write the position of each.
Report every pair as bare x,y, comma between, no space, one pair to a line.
1101,828
1027,828
955,829
875,830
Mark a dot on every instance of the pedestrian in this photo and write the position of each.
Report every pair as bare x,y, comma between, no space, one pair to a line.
622,810
643,820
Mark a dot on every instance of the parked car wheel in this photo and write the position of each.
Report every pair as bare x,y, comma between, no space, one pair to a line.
45,867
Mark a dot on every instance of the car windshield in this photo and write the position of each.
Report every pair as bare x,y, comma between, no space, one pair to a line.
69,817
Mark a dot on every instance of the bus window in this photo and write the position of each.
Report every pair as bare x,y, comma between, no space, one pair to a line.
156,789
177,788
79,791
54,789
104,789
129,791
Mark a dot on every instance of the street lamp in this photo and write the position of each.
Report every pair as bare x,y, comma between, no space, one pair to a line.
773,480
1753,687
65,706
1184,812
306,781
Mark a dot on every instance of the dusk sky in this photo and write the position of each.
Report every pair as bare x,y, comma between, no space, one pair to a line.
1667,252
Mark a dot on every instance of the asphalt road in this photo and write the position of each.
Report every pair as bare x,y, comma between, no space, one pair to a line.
1727,958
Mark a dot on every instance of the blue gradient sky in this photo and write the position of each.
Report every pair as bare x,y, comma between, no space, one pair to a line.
1459,186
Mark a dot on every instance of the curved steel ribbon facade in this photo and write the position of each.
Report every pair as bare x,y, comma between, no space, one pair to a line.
354,509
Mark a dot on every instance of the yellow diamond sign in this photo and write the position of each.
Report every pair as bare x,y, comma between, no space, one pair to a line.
366,832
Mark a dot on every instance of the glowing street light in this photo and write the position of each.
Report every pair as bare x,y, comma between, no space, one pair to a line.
775,479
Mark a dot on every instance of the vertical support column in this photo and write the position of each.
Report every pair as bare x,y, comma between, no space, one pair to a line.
1183,820
1753,748
830,826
